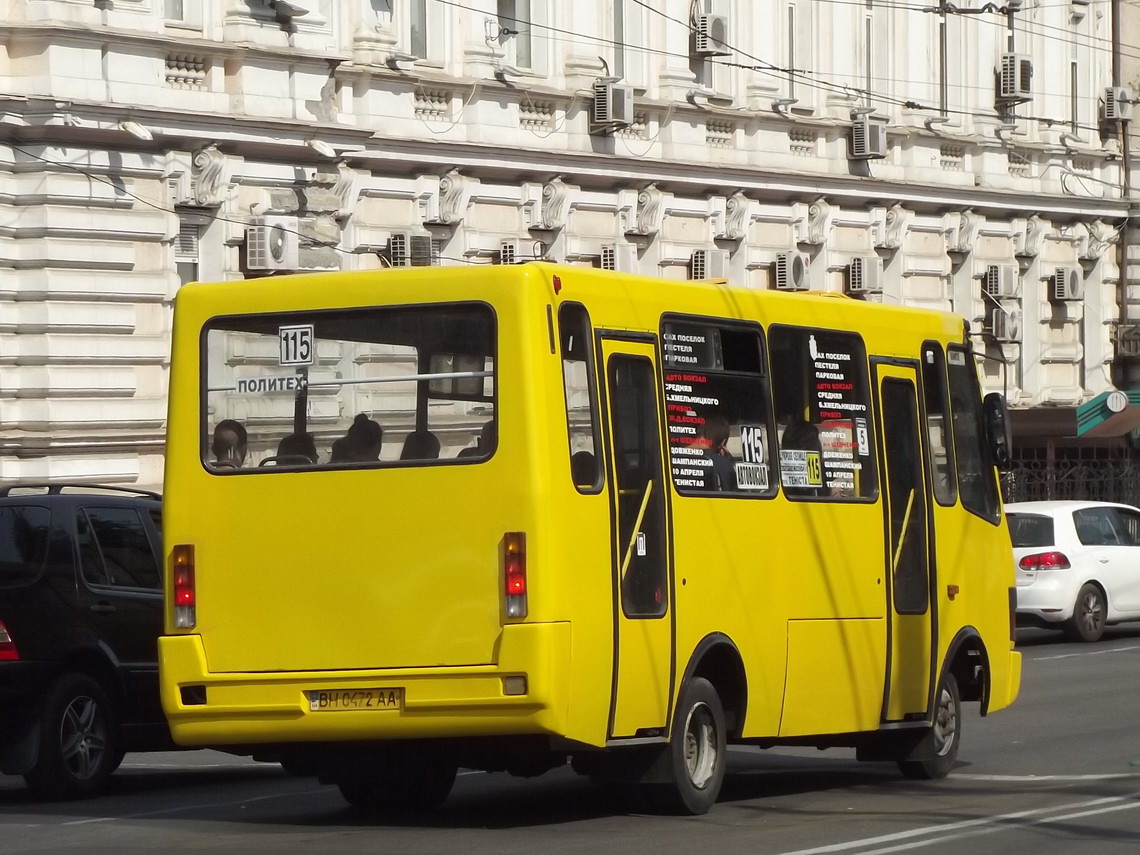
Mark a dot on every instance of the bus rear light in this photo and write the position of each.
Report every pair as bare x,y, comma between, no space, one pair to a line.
514,573
1012,616
8,651
1045,561
185,598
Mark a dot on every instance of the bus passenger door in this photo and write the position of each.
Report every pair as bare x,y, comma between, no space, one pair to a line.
909,565
643,655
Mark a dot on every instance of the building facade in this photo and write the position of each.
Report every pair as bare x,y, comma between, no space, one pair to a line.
963,157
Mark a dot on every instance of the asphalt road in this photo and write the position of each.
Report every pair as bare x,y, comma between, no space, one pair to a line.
1056,773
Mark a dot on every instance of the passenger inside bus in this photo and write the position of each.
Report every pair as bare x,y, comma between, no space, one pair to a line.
420,445
295,448
584,468
361,444
365,437
230,444
339,452
712,436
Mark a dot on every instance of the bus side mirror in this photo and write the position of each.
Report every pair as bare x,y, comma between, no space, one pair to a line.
995,416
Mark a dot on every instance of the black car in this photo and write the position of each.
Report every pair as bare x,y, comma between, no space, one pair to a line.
80,612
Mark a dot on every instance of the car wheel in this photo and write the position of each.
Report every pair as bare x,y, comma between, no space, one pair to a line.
697,754
79,740
1087,623
940,745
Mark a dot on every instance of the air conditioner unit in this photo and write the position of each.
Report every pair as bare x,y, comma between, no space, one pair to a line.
1005,324
1117,104
791,271
1066,284
1015,78
409,250
509,252
621,257
612,107
1001,280
865,275
271,243
709,264
868,138
712,36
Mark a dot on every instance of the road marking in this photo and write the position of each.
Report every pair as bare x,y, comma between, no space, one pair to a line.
1029,779
975,827
1084,653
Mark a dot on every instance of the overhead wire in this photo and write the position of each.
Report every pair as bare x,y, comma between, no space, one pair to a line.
813,80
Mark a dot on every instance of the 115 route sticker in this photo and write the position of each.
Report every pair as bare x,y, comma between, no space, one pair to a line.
752,473
296,345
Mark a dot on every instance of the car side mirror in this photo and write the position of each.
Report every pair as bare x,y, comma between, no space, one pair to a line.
995,417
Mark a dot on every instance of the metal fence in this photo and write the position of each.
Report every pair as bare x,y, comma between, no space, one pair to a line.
1098,474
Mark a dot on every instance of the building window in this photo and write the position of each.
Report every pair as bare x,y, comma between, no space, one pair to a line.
792,50
515,31
418,44
186,243
619,40
183,13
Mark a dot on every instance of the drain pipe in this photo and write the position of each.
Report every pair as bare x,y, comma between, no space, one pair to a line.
1124,363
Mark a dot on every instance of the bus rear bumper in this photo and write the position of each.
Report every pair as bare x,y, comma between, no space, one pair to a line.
1004,693
205,708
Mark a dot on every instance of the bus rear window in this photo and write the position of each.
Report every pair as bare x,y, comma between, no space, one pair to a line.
349,388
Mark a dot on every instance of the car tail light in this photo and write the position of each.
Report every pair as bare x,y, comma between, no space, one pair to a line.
1045,561
185,598
8,651
514,573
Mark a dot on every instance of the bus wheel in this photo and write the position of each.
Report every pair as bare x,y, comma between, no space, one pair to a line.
79,740
940,745
403,779
697,754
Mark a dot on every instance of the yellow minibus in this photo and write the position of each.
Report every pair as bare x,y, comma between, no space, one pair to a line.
510,517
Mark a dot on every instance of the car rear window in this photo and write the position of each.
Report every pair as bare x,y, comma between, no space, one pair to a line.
23,543
114,549
1030,529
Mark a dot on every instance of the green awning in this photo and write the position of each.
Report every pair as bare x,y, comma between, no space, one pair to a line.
1109,414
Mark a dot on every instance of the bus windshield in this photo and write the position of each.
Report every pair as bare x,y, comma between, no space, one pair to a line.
357,387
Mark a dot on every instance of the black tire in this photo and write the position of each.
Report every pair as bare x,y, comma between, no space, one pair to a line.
940,744
79,740
697,754
403,779
1089,612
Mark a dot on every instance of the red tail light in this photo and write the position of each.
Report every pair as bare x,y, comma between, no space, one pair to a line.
8,651
514,573
1045,561
185,599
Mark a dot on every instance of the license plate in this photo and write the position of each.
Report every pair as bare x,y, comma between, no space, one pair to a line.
334,700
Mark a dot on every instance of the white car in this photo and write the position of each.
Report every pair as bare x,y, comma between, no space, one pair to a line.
1078,565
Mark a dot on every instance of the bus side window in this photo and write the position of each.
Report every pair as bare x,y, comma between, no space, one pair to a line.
822,400
977,481
718,420
581,398
938,424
